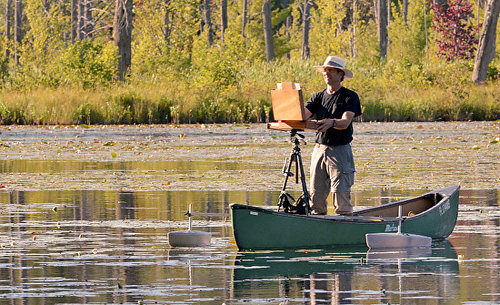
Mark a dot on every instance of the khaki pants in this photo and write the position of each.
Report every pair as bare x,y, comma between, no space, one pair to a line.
332,170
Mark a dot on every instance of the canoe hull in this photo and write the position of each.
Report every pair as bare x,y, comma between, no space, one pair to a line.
255,228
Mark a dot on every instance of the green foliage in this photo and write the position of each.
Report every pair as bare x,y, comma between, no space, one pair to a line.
87,114
408,39
327,33
213,66
89,64
4,62
177,77
153,53
41,45
494,72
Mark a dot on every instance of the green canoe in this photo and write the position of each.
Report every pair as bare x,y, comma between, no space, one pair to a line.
433,214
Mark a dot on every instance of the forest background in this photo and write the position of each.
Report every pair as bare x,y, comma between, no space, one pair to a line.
187,61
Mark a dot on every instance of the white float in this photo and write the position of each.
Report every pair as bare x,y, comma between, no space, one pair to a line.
189,238
397,240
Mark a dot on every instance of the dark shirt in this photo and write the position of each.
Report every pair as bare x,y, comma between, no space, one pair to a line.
332,106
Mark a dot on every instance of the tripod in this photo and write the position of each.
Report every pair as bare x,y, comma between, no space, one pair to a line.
302,204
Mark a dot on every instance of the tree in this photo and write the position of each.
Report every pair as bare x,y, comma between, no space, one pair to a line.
8,25
244,16
207,21
457,36
85,23
405,11
223,18
268,30
74,20
306,8
18,27
89,27
408,38
353,38
167,22
81,19
331,31
486,49
382,27
122,35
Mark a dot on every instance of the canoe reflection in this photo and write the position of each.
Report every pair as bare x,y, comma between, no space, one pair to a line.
296,262
343,275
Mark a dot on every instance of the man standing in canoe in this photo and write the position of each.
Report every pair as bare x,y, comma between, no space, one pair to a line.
332,162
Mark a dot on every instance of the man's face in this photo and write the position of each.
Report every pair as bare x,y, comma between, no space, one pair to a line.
332,75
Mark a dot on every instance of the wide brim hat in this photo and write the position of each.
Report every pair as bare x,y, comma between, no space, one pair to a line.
335,62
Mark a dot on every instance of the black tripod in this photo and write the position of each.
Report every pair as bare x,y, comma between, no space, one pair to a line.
301,206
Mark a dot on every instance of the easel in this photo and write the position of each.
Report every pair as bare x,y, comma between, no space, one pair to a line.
295,158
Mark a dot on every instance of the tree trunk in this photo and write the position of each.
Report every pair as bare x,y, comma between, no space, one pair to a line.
166,21
223,18
305,29
81,19
89,27
46,5
487,43
354,22
244,16
426,30
382,27
268,30
122,35
207,21
288,20
388,12
8,24
18,27
405,11
74,20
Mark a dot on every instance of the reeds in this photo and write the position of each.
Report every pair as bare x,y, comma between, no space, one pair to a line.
386,95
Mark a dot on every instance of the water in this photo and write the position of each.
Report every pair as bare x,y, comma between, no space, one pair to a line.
78,225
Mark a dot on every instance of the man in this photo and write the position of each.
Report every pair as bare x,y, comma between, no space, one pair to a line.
332,162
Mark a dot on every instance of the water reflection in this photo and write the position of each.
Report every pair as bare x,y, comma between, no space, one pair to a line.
51,166
335,276
111,247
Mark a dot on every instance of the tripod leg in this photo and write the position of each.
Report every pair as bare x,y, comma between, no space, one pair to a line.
305,193
288,173
296,168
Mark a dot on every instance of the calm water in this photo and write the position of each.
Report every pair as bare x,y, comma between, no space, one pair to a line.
78,225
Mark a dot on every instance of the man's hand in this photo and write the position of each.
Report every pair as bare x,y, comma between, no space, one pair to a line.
343,123
325,124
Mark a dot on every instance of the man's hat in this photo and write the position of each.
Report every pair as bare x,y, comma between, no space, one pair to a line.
335,62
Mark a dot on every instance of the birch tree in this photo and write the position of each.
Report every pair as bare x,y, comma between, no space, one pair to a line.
487,42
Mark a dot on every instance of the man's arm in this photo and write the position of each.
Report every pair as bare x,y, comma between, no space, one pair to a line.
343,123
307,113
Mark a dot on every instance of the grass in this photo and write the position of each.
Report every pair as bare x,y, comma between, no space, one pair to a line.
387,94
